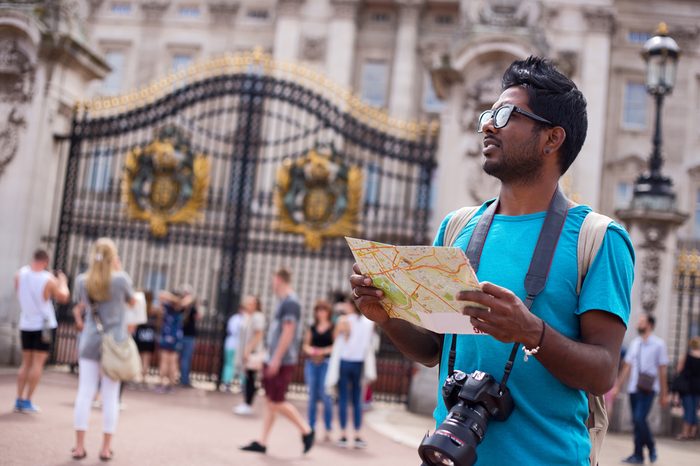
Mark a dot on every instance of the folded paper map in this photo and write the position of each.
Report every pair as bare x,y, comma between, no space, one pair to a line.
420,283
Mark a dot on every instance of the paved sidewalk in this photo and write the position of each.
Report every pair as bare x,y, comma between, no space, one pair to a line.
187,427
196,427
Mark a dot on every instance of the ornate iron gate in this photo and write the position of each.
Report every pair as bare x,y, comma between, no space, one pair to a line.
232,126
687,286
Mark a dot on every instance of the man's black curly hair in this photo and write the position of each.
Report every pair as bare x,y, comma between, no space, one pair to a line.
554,97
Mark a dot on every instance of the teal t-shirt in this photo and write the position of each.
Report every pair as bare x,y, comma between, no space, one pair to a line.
548,423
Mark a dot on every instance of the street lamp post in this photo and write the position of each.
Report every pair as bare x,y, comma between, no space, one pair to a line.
654,190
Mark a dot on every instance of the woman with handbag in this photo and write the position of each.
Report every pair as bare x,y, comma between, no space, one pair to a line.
105,291
687,385
250,354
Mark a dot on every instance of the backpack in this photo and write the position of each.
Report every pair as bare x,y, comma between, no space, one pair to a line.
590,239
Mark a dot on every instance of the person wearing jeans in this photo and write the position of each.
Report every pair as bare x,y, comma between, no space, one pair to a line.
647,355
189,331
354,333
318,345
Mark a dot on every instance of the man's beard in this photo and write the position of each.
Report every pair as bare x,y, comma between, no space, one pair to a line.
522,168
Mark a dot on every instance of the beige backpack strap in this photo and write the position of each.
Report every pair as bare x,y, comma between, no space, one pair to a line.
590,238
457,223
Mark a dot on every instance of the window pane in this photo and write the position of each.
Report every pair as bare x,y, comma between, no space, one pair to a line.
623,195
634,112
373,86
114,80
121,8
189,11
431,103
181,61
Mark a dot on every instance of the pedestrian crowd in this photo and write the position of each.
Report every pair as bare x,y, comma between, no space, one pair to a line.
337,348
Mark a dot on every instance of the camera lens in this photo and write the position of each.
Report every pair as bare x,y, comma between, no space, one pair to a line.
437,458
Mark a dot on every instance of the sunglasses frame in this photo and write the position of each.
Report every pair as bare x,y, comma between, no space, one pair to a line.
513,108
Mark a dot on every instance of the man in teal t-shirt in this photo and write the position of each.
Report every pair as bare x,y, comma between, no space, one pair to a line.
531,136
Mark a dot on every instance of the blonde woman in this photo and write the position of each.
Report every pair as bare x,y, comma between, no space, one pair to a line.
106,290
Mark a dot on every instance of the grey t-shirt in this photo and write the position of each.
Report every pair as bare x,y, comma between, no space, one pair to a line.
112,314
288,310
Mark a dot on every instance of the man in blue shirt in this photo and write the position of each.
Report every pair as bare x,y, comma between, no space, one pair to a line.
531,136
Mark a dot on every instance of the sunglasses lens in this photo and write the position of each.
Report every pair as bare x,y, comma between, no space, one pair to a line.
485,117
502,116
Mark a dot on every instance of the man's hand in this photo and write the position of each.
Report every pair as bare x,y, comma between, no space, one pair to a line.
367,297
273,368
507,320
664,399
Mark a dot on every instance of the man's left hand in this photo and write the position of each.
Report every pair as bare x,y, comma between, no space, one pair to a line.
273,368
663,399
507,319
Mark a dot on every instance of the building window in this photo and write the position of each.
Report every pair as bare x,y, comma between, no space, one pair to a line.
121,8
99,170
382,17
113,83
258,14
634,112
189,11
431,103
180,61
444,19
374,83
638,37
623,195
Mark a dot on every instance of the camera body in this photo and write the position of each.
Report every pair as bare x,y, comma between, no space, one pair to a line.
472,400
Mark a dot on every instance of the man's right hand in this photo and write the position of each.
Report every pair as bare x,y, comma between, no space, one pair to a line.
367,297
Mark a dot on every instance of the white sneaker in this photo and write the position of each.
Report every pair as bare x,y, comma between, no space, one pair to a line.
243,410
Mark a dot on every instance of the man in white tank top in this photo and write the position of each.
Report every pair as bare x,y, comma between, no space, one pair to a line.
35,288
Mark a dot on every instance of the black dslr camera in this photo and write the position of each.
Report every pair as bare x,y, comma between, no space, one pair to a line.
472,399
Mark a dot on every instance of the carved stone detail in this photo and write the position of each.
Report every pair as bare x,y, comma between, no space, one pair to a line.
313,48
223,12
9,138
567,62
502,13
16,73
345,9
153,11
599,20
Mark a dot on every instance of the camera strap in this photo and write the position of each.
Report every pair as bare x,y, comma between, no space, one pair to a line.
540,264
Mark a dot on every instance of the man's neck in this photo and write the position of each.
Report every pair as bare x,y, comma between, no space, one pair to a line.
646,336
521,199
37,267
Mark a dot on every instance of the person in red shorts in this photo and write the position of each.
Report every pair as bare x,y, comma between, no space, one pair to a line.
283,340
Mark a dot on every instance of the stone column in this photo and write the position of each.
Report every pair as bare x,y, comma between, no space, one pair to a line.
653,233
342,33
46,66
288,30
595,67
402,101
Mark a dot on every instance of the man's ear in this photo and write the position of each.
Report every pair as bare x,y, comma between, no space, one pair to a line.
555,139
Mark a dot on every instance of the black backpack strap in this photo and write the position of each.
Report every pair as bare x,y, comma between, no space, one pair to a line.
540,264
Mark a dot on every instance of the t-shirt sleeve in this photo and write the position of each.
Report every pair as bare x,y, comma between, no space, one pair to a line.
608,283
290,312
126,286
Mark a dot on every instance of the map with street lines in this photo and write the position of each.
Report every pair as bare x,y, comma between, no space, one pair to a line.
420,283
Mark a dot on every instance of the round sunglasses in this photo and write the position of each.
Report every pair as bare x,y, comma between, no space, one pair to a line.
501,116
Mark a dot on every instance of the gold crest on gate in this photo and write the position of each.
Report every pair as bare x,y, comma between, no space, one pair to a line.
165,182
318,196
